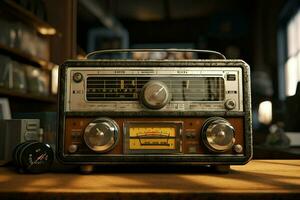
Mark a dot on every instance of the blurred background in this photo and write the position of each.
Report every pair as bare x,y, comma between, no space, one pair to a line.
38,35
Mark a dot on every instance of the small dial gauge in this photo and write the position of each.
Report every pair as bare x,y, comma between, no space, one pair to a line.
34,157
155,95
101,135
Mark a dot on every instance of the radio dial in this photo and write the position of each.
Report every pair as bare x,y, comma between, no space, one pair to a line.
230,104
77,77
101,135
155,95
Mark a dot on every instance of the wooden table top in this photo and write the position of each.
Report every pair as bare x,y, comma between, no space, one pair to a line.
263,179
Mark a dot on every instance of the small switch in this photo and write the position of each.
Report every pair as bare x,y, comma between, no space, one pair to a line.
187,135
75,135
190,134
192,149
31,125
231,77
30,135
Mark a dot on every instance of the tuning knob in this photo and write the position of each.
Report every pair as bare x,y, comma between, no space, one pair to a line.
155,95
218,134
101,135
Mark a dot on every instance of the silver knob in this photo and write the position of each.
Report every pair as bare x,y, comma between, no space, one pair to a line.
230,104
101,135
218,134
238,148
77,77
73,148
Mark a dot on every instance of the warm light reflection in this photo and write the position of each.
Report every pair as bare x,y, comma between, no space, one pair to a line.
292,65
42,63
81,57
291,76
3,177
265,112
46,31
35,73
298,28
54,76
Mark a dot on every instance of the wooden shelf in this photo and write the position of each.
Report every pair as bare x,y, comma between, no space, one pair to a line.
20,13
26,95
25,57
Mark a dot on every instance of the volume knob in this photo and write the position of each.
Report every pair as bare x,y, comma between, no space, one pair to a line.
218,134
101,135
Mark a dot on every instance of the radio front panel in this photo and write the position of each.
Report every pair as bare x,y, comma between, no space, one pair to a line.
169,136
189,89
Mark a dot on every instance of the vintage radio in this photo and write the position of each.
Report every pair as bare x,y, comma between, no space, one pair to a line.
168,112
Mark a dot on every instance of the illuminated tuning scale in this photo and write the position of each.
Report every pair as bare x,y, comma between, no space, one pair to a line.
152,138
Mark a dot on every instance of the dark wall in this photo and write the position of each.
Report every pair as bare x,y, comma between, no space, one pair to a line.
251,26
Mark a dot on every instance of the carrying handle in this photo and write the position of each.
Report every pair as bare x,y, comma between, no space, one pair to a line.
112,51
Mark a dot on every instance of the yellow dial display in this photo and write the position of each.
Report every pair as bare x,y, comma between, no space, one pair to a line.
152,138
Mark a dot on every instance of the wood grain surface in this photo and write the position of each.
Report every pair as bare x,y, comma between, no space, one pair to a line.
261,179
